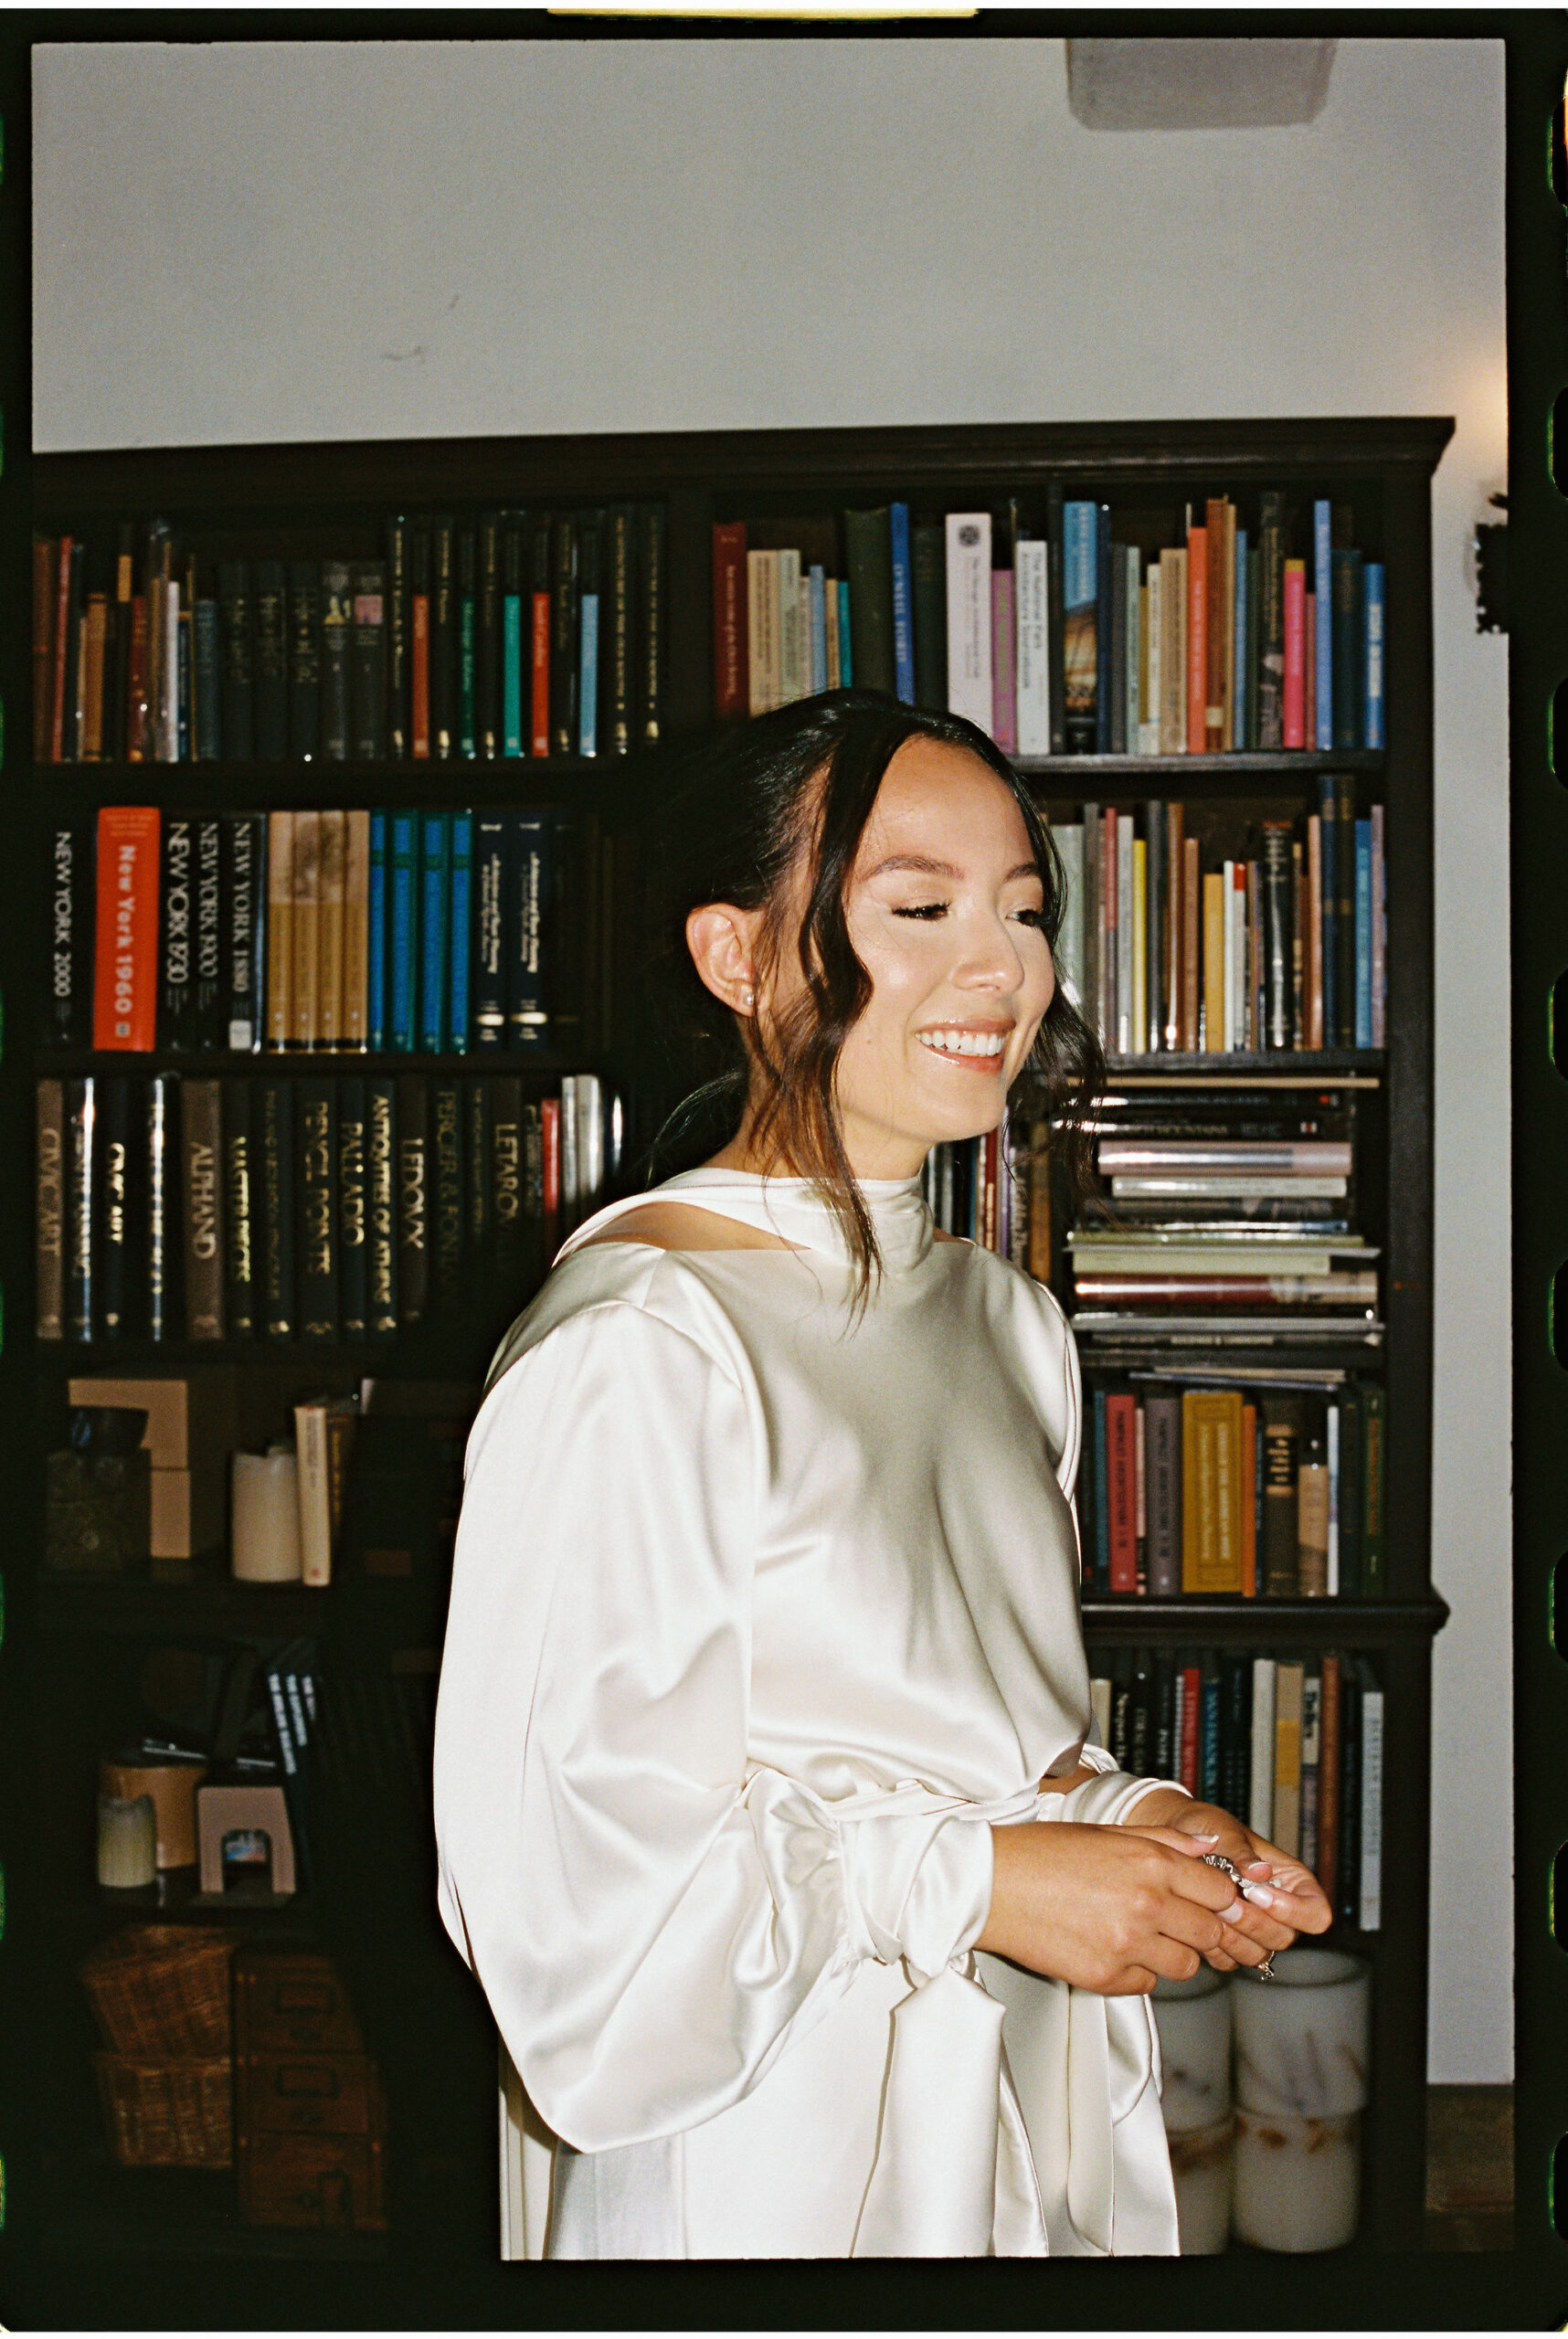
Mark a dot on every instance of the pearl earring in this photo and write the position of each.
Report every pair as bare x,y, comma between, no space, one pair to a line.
749,999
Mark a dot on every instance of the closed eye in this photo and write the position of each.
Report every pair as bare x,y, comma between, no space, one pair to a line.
922,909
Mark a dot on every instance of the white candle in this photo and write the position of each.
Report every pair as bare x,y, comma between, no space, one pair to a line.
266,1542
127,1841
1201,2164
1297,2182
1302,2039
1194,2023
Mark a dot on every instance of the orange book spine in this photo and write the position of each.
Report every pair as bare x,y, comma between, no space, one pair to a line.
1197,640
541,707
125,963
1249,1501
419,677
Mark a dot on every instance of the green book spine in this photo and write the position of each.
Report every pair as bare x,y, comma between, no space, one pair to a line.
868,547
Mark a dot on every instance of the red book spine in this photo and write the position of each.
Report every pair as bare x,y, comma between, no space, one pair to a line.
1197,638
1309,672
62,619
732,653
419,677
136,710
550,1153
125,969
1121,1490
541,741
1191,1704
1295,731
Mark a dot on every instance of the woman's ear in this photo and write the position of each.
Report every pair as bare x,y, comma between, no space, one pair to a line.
722,940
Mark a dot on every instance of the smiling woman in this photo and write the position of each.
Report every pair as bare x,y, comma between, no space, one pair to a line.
813,1923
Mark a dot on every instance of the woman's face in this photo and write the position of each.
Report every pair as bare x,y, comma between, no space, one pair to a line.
944,910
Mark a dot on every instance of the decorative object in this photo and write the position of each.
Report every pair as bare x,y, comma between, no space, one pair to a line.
266,1531
171,1783
127,1841
168,2115
161,1993
227,1811
1193,2019
1202,2162
1302,2057
98,1496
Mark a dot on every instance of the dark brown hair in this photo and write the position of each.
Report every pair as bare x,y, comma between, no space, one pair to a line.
750,803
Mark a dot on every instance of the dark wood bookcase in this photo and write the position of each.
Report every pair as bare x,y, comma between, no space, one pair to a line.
83,1642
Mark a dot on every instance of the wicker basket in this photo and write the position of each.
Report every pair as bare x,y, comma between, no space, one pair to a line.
161,1993
168,2115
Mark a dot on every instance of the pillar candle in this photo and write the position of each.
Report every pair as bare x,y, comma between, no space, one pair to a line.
1302,2039
1193,2019
1202,2161
1297,2182
266,1546
127,1841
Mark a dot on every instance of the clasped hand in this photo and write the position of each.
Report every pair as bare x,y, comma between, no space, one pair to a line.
1111,1908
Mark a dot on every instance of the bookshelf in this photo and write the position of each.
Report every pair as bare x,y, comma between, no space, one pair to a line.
88,1640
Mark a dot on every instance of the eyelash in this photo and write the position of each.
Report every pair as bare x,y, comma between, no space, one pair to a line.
930,911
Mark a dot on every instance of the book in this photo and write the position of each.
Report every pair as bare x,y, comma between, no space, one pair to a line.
305,995
493,902
304,615
531,862
1374,717
435,946
731,637
125,979
459,925
1373,1561
201,1142
402,929
395,617
352,1215
336,629
620,584
1323,592
279,998
274,1137
357,896
928,585
539,638
1313,1515
239,1217
1260,1785
564,648
465,716
113,1205
651,531
381,1207
590,598
1369,1882
902,603
175,933
368,656
868,550
332,888
419,643
413,1215
1281,1528
1211,1490
316,1280
1120,1411
511,633
209,1000
1164,1497
49,1189
377,933
68,1009
443,651
488,638
157,1229
446,1206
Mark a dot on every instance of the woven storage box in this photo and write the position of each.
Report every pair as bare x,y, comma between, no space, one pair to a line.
168,2115
161,1993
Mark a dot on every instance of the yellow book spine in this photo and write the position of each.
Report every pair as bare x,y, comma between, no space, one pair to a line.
1214,962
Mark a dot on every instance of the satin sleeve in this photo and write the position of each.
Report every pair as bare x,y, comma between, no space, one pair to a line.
651,1916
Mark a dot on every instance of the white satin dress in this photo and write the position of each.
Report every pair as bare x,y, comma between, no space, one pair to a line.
760,1616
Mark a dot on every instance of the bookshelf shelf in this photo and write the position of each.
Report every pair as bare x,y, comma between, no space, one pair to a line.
375,1912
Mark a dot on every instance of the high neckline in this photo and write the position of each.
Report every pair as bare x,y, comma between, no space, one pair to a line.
789,1208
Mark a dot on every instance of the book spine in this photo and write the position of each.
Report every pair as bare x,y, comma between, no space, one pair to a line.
1107,557
1271,732
370,661
413,1199
1218,623
305,997
1375,621
1260,1800
316,1286
507,1175
209,971
158,1227
337,629
563,684
375,1035
125,981
352,1218
1364,935
1003,724
511,743
51,1211
1328,912
1378,931
487,643
1281,1443
868,556
174,1022
67,1015
402,923
381,1208
621,584
1323,602
418,644
201,1142
111,1207
1370,1915
313,1481
492,896
356,952
476,1164
1348,1882
304,659
928,573
652,556
46,557
1163,1443
1030,587
275,1145
237,722
530,860
1373,1479
467,716
443,655
447,1195
1330,1763
435,861
279,1001
271,694
1121,1491
902,604
970,689
395,617
461,935
238,1210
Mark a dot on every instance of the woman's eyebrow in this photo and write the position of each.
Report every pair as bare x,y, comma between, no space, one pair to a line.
922,866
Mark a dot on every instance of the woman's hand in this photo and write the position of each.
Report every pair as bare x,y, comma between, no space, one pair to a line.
1108,1909
1283,1898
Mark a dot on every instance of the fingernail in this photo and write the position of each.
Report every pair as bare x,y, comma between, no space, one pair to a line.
1229,1916
1264,1894
1205,1839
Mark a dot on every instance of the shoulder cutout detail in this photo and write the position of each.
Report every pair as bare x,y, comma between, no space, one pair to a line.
684,1226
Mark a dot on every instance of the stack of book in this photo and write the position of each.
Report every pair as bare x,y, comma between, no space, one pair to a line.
1293,1745
1266,936
1059,638
317,1207
473,636
434,931
995,1190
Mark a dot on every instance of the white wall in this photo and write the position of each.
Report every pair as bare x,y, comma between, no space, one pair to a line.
282,241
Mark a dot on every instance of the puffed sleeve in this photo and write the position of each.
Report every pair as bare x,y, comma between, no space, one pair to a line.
650,1917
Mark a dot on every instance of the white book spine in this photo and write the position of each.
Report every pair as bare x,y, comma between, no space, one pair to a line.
1070,939
1029,588
314,1494
790,679
1099,1702
1371,1811
1333,1445
968,616
570,1189
1124,933
1260,1808
1130,683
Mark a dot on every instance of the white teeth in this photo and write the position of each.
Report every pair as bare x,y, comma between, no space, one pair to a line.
963,1043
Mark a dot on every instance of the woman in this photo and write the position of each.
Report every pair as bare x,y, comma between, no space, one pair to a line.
768,1820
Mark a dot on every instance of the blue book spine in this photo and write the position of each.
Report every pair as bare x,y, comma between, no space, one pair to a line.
1329,956
588,676
1373,606
1102,630
1364,935
1239,684
531,867
1209,1738
492,957
375,945
208,683
818,585
405,929
460,920
846,668
511,674
1102,1500
902,605
435,863
1323,586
